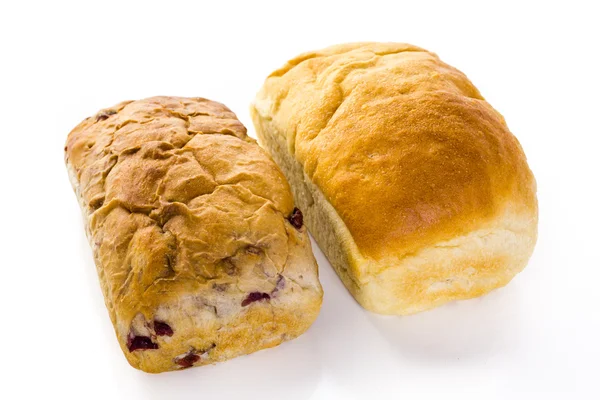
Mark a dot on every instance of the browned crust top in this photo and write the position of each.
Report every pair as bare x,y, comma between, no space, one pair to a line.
176,195
401,144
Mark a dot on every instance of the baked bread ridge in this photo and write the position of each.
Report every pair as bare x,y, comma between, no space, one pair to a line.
200,252
471,224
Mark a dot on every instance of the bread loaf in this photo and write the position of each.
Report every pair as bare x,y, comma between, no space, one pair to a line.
411,183
200,252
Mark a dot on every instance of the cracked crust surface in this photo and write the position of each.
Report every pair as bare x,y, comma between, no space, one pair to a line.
188,221
392,154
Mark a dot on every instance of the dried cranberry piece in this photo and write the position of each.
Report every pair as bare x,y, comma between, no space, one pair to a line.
255,296
188,360
140,343
296,218
162,329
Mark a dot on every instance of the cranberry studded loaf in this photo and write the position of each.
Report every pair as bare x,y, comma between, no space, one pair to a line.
201,254
410,181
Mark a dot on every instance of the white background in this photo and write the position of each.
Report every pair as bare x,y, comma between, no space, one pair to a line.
537,63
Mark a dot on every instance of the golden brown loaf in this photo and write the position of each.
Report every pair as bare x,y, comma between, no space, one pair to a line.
200,252
410,181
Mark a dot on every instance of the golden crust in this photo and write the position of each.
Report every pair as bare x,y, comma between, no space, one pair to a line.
408,154
187,217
